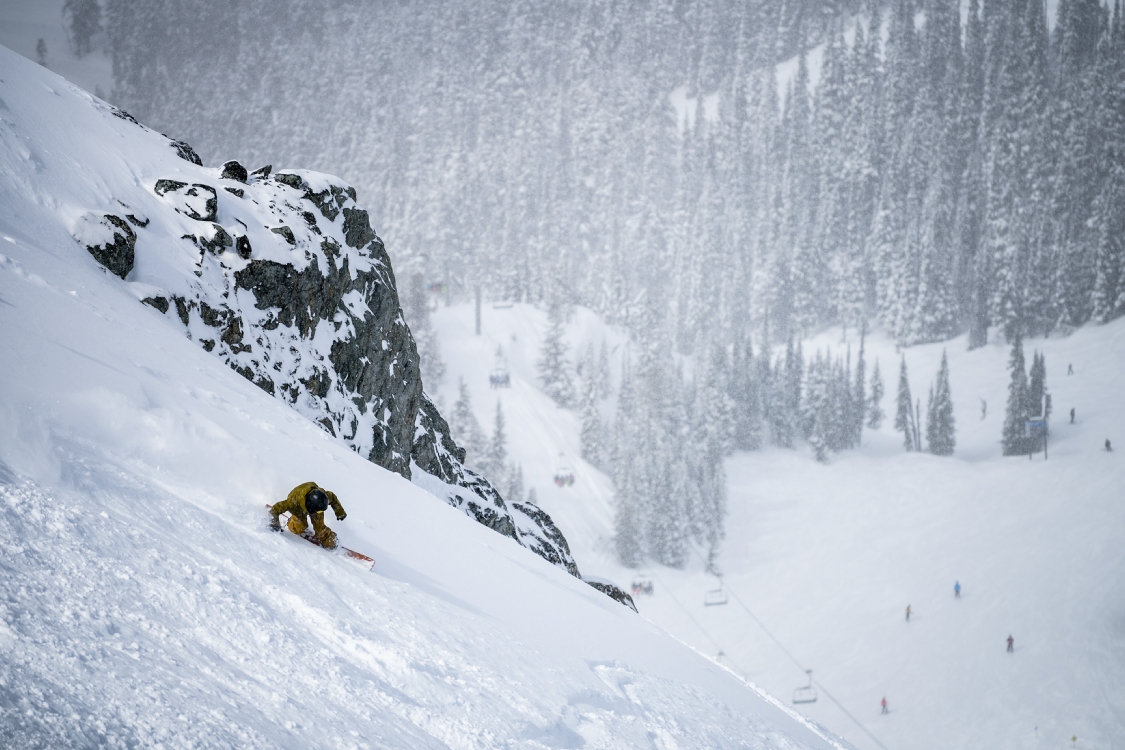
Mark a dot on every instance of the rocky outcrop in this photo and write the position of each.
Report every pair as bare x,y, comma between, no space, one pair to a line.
294,290
612,590
110,240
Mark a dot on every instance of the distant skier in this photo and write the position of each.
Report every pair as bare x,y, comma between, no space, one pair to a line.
1070,369
883,703
1108,447
983,409
305,501
957,590
1072,415
1011,644
908,613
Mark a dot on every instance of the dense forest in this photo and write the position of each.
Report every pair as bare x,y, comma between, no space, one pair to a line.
705,173
946,173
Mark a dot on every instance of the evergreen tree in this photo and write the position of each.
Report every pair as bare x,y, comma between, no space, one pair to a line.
590,434
554,369
628,520
939,414
84,20
496,459
1014,436
602,380
1037,386
874,410
904,412
41,52
417,312
465,427
859,399
514,485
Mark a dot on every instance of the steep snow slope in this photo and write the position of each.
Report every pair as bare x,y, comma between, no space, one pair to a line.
828,557
145,603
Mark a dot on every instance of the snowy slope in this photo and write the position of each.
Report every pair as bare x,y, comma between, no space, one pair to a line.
827,557
145,603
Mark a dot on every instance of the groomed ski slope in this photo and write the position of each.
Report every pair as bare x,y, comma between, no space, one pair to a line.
144,603
827,557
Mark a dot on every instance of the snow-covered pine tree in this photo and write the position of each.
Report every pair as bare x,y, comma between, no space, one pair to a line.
1037,385
602,380
466,429
1014,436
416,308
496,459
939,414
83,21
590,434
874,408
859,396
629,516
554,369
904,411
514,485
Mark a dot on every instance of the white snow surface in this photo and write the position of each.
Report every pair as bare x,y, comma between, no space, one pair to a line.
144,603
827,557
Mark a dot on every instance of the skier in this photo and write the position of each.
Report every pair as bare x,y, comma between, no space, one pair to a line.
908,613
1072,415
1011,645
983,408
1070,369
957,590
1108,447
304,501
883,703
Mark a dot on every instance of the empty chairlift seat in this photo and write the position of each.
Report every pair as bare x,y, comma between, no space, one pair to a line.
806,694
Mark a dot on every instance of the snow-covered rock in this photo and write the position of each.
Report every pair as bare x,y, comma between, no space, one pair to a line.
281,276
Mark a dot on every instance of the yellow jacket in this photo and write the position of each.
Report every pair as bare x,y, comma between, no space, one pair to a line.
295,506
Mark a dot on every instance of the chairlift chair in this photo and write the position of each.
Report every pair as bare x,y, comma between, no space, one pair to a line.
564,475
806,694
715,597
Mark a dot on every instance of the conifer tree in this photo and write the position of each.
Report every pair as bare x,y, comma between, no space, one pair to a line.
416,308
628,512
465,427
874,408
859,400
1037,385
1014,436
904,412
554,369
497,456
939,417
603,380
41,52
590,434
84,21
514,486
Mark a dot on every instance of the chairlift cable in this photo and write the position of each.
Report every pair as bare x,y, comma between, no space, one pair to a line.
738,669
792,658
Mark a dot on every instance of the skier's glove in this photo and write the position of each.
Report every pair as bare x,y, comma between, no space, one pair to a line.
275,524
341,515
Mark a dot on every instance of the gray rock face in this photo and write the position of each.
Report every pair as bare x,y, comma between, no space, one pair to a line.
117,256
295,292
232,170
613,591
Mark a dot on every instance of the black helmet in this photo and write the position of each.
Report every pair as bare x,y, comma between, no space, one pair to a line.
316,501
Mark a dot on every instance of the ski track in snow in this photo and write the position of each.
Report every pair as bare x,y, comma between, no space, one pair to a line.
828,557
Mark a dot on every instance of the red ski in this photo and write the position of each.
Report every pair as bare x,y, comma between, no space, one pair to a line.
341,549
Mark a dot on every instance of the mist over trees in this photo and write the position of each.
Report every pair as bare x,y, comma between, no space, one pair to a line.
957,176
